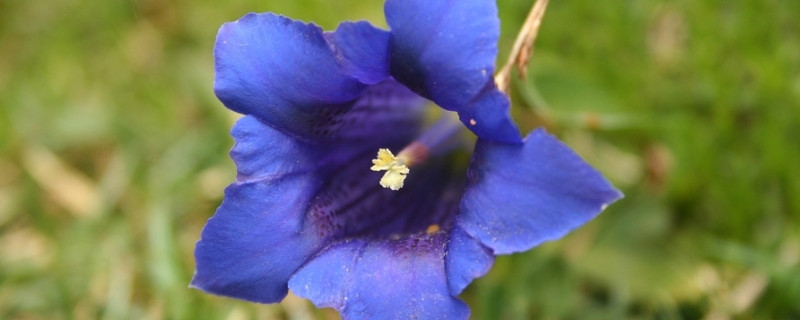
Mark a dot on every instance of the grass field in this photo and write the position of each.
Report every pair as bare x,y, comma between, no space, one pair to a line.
113,153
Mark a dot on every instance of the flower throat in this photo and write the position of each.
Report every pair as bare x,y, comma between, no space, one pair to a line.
438,139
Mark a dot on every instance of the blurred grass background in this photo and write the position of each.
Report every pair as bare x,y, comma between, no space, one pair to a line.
113,153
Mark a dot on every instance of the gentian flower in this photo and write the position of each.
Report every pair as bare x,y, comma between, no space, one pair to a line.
401,234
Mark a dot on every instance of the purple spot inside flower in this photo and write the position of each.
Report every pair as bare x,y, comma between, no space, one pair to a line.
352,204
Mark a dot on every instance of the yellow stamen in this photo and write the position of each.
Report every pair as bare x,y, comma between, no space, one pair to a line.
432,228
395,167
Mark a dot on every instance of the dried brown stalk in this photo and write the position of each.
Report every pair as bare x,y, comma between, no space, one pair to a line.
523,47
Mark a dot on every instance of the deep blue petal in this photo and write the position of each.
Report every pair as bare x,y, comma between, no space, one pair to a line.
385,113
284,71
363,50
390,279
519,196
445,51
489,118
257,238
466,260
263,153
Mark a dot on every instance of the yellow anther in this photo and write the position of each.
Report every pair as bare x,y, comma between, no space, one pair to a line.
395,167
384,161
432,229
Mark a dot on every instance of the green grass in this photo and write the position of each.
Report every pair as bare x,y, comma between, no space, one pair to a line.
113,153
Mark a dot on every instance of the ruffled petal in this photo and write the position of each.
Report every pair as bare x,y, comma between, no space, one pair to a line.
445,51
489,118
519,196
363,50
283,71
257,238
466,260
263,153
390,279
384,114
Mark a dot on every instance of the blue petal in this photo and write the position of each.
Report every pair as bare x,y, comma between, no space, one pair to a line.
363,50
283,71
385,113
466,260
489,117
519,196
262,152
389,279
257,239
445,51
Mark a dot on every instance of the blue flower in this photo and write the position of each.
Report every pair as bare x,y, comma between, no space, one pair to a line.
306,212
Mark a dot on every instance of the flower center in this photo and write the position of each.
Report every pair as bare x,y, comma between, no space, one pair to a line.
396,169
438,139
351,203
